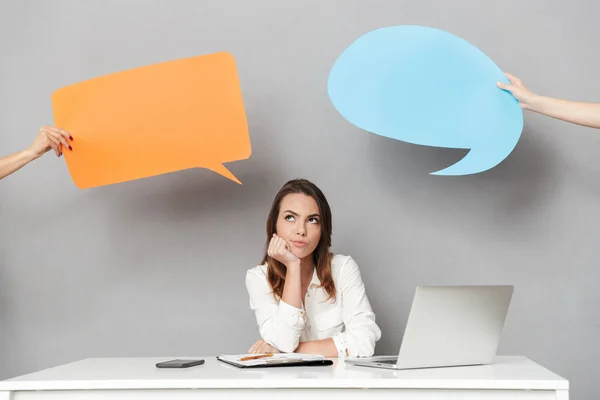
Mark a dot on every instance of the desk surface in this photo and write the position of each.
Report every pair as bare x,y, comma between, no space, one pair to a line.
141,373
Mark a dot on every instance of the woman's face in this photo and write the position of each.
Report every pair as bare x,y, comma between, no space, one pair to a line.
299,224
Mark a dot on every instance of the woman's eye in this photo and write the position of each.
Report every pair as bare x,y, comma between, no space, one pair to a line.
314,220
289,218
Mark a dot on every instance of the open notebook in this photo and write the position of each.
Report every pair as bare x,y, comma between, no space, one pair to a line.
276,360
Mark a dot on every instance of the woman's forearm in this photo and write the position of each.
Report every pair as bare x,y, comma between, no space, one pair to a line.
292,291
14,162
325,347
580,113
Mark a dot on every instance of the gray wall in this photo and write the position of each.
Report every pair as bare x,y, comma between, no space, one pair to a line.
156,267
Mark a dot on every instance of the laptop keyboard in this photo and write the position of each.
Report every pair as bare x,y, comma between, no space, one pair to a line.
392,361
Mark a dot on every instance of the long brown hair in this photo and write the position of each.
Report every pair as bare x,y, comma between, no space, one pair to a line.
321,256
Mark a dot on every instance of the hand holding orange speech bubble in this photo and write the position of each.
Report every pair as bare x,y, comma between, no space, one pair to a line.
153,120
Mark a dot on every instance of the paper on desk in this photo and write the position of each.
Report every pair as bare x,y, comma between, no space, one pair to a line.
276,358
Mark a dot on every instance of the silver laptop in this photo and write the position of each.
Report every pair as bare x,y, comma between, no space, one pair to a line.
449,326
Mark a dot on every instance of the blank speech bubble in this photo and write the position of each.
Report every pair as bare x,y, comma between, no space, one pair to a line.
156,119
425,86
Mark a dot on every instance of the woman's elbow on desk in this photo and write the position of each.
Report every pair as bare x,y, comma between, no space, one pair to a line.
283,345
366,349
285,342
362,343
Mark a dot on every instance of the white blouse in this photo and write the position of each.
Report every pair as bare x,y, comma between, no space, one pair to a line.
349,320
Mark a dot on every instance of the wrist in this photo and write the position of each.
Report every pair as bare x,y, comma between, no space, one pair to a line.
28,155
537,103
293,266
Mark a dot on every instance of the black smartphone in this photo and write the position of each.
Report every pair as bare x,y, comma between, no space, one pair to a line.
179,363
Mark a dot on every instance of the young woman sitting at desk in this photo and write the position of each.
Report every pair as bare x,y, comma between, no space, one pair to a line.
307,300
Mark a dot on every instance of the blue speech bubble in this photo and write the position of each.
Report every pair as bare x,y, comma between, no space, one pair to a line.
425,86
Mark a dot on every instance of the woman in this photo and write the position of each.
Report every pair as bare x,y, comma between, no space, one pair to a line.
307,300
47,138
585,114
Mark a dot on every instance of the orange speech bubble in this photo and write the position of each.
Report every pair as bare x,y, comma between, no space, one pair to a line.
156,119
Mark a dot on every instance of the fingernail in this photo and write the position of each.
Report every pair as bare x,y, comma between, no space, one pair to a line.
71,137
70,148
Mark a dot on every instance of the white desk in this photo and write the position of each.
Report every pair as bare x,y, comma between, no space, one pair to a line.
137,378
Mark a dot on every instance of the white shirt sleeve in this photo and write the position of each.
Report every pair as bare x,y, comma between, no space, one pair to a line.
279,323
361,332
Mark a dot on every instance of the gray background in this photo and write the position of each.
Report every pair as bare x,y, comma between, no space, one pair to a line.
156,267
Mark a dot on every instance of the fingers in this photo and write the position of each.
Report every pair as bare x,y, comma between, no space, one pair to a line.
52,142
62,136
66,134
280,246
252,349
504,86
271,247
514,80
59,131
274,249
278,249
284,245
263,348
259,347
